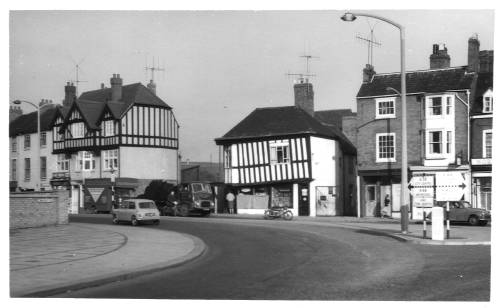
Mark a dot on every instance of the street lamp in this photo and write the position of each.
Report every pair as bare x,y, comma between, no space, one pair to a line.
404,159
18,102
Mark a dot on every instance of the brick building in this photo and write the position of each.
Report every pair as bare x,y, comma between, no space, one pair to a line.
438,102
482,130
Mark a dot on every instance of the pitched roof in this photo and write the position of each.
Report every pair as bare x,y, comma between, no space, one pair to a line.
282,121
424,81
132,93
333,117
91,111
484,82
27,123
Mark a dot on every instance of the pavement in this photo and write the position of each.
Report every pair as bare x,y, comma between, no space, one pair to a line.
49,260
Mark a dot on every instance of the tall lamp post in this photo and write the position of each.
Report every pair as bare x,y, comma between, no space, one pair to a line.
404,159
18,102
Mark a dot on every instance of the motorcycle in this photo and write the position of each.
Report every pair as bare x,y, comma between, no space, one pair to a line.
278,212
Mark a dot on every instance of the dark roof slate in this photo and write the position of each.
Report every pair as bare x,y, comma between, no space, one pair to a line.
333,117
27,123
425,81
282,121
132,93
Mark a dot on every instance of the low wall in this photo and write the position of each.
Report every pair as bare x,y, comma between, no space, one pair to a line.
37,209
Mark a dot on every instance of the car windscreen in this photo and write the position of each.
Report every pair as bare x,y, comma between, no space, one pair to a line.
146,205
201,187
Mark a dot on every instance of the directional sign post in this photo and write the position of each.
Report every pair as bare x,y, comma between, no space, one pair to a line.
449,186
421,188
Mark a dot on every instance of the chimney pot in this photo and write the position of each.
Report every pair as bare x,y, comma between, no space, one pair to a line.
368,73
116,87
439,57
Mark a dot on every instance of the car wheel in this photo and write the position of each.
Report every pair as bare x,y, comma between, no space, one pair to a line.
473,221
134,221
183,210
115,219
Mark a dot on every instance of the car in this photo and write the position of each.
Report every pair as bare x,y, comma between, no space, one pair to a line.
136,211
462,211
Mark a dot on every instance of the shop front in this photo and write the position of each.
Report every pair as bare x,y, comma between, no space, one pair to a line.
100,194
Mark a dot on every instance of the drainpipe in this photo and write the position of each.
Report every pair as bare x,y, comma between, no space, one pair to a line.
467,104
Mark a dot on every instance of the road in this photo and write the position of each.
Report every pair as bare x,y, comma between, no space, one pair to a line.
268,260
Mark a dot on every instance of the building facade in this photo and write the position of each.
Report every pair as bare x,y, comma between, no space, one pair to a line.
112,142
31,162
285,156
439,102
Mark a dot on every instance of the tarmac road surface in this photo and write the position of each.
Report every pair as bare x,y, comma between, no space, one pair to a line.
278,260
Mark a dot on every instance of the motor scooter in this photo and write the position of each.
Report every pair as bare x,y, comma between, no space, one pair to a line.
278,212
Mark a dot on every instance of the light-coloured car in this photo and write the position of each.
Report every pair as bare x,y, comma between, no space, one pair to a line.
462,211
136,211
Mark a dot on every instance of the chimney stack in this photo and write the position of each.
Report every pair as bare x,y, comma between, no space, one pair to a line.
14,113
473,54
368,73
69,94
304,95
439,57
152,86
116,87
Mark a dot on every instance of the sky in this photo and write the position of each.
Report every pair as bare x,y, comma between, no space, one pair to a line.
220,65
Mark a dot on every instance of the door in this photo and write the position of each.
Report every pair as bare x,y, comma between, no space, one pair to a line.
75,199
370,200
304,200
326,201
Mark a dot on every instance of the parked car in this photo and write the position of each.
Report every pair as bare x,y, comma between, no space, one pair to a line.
136,211
462,211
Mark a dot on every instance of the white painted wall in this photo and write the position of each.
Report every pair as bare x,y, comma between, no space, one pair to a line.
324,166
148,163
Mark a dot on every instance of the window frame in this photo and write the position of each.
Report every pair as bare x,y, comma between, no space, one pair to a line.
83,157
13,144
379,159
77,127
485,148
447,106
44,144
378,101
274,158
27,169
62,163
107,158
27,142
13,169
488,97
430,143
43,168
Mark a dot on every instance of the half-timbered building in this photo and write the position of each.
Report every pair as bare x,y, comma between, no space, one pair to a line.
285,156
118,138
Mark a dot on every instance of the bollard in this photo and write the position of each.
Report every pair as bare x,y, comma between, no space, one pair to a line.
425,226
447,220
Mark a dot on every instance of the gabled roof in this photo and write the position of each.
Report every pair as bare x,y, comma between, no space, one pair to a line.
333,117
27,123
132,93
484,82
90,111
424,81
282,121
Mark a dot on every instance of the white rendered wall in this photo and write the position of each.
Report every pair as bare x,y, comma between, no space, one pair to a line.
323,166
148,163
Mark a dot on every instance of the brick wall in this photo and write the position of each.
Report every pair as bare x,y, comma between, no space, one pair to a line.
368,127
37,209
461,127
477,127
349,128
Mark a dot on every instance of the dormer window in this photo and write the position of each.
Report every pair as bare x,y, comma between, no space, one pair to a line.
488,102
77,130
385,108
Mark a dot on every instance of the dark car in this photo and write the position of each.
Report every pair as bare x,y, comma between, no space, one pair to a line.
462,211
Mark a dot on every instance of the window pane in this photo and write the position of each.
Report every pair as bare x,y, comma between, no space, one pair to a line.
436,106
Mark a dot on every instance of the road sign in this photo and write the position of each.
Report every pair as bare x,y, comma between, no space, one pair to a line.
423,202
421,181
422,192
449,186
